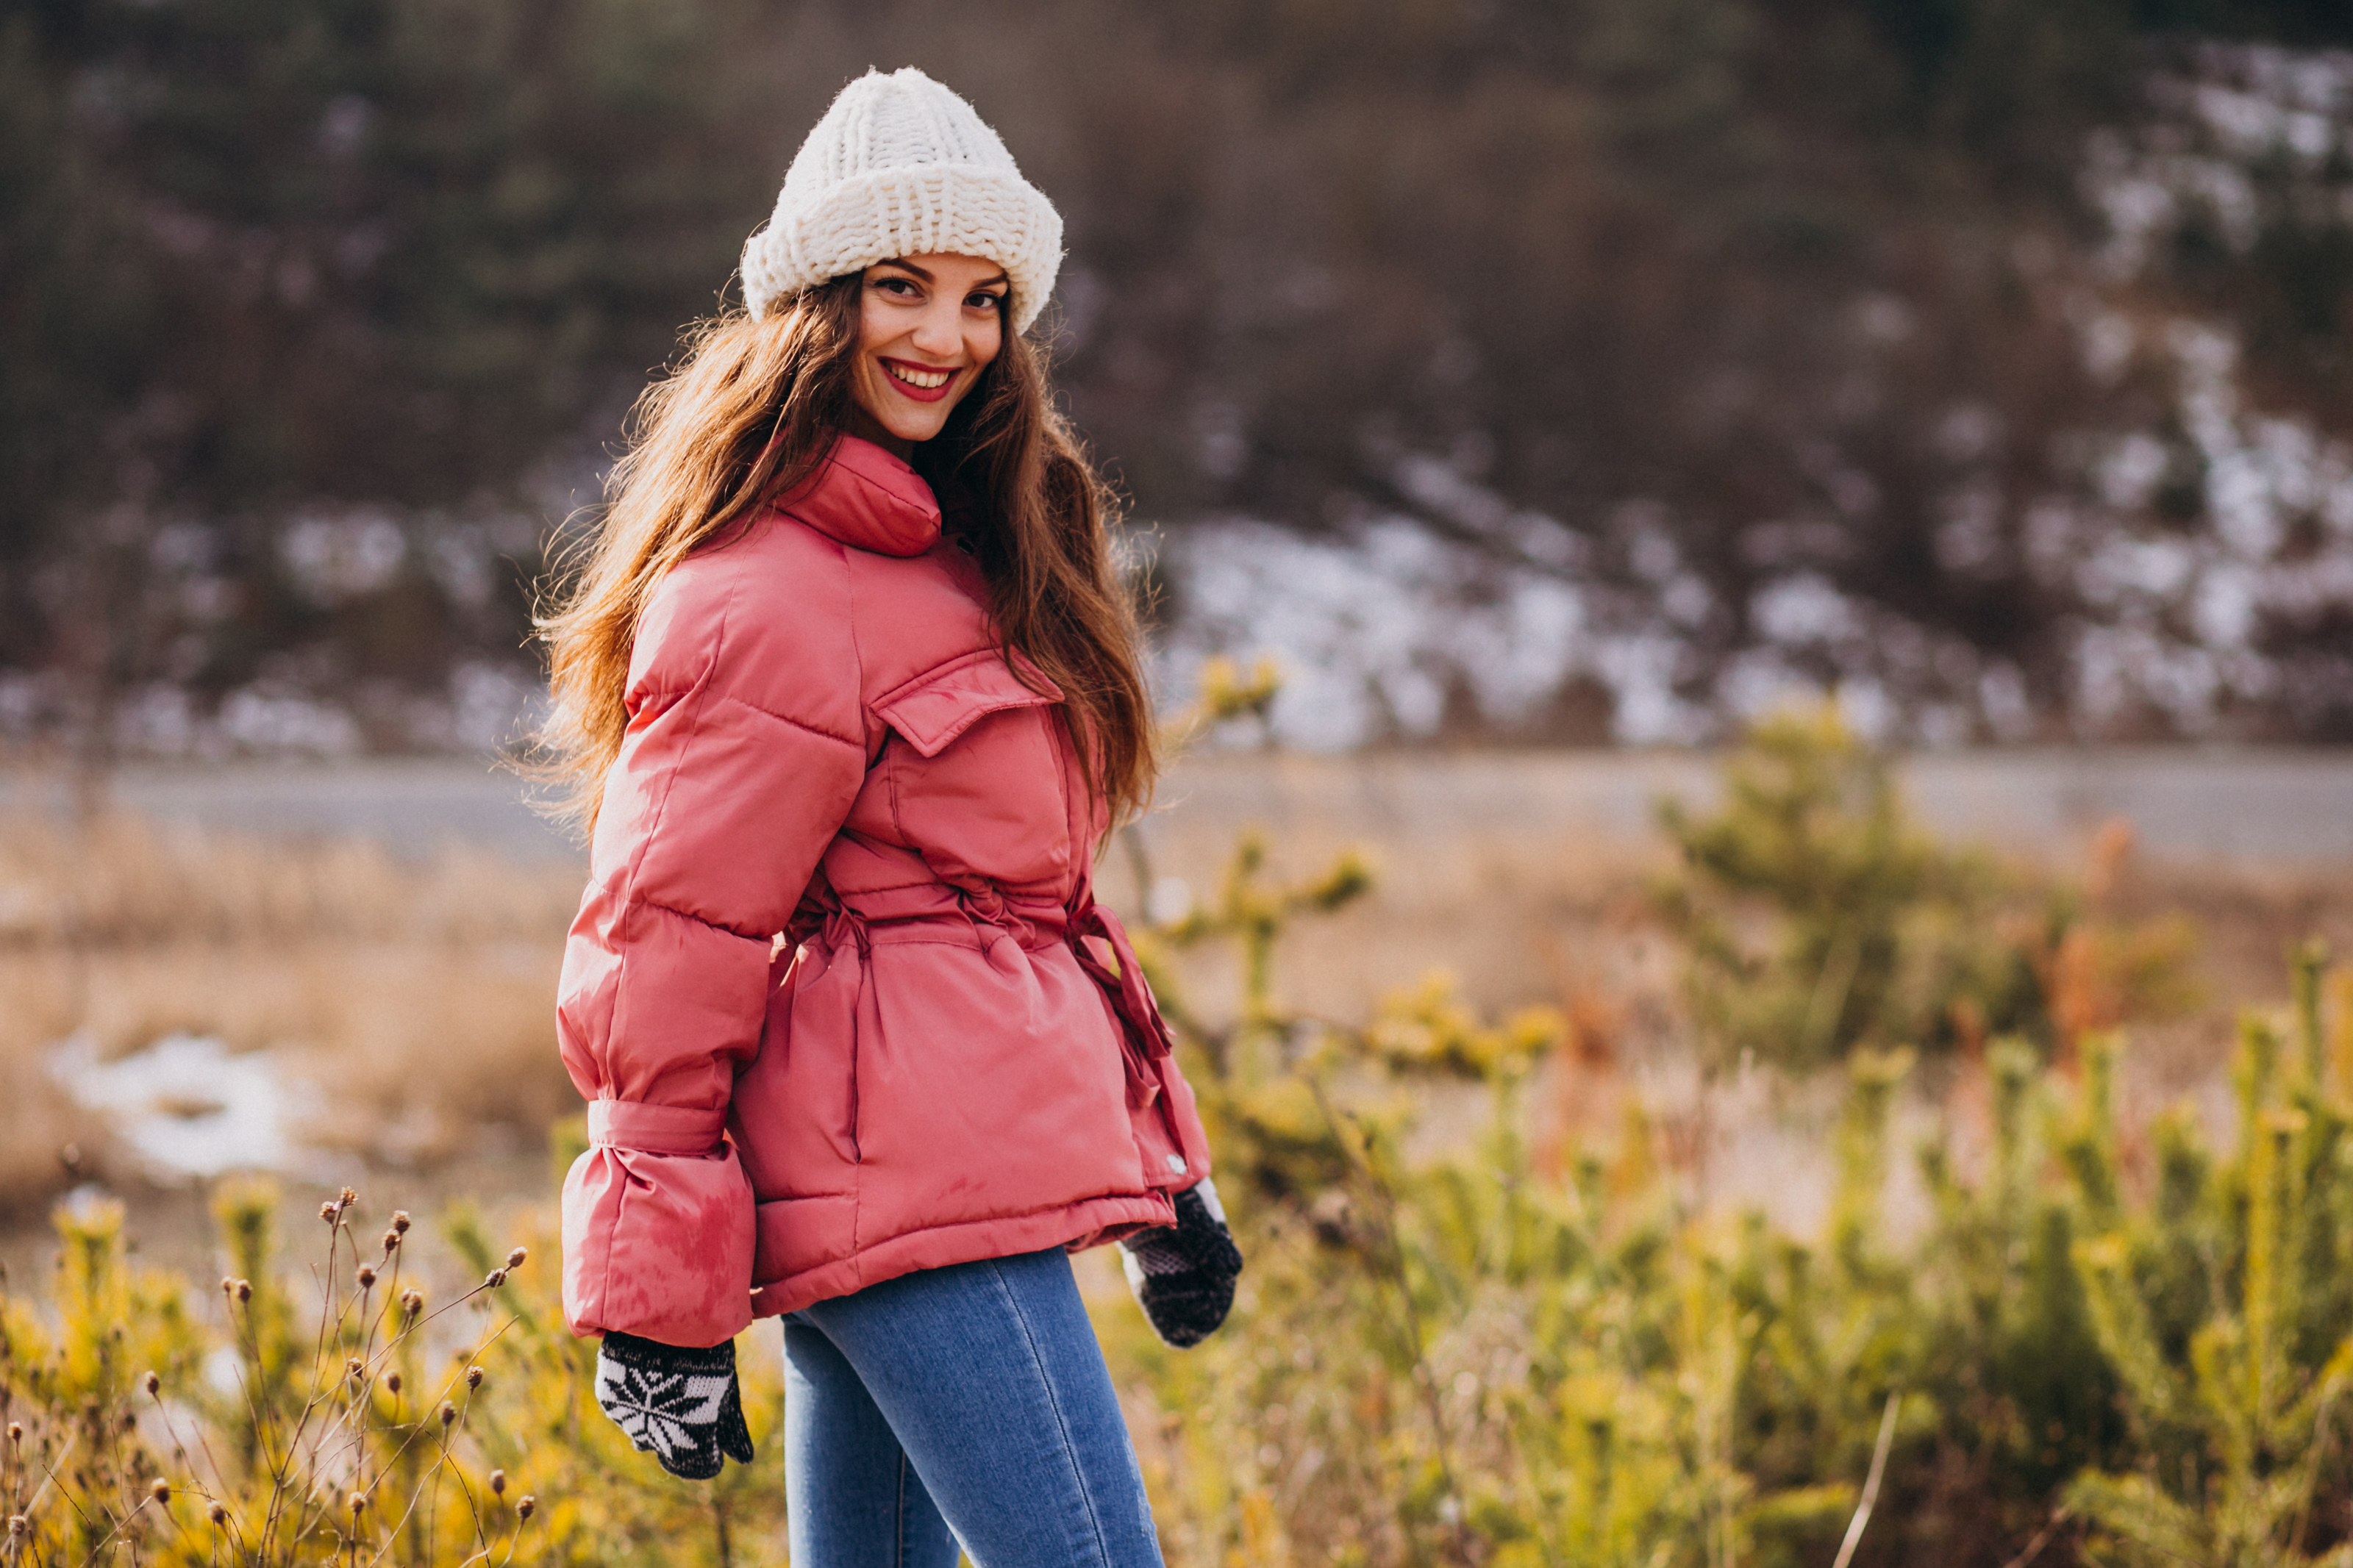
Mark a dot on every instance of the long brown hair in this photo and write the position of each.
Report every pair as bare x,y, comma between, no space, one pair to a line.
750,412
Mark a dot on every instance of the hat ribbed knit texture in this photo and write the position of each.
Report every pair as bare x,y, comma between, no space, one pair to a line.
901,166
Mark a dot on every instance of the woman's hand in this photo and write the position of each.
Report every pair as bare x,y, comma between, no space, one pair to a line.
682,1405
1184,1274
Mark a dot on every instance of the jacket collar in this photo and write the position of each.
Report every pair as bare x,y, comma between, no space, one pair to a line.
867,499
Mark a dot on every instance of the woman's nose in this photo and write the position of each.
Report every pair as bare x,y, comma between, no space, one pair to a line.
940,331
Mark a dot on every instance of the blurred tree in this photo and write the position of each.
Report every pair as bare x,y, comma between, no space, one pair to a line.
1688,300
1818,917
272,262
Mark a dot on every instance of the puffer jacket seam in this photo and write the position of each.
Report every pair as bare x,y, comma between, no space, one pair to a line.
850,621
866,892
701,689
1065,747
704,920
1144,1197
891,783
1062,1206
890,777
801,724
857,664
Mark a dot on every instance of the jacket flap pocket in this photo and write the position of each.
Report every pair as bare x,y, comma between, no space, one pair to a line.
944,701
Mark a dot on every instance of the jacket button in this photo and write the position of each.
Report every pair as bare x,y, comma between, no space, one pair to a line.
1176,1163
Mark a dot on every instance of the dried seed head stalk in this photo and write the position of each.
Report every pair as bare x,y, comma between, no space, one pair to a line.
367,1276
514,1259
499,1483
449,1413
160,1490
400,1222
526,1506
243,1291
494,1278
151,1384
392,1381
473,1377
412,1301
217,1512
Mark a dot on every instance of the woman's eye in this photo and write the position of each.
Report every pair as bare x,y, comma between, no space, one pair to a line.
987,301
896,284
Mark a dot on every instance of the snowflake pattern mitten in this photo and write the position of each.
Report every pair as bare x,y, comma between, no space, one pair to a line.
682,1405
1182,1274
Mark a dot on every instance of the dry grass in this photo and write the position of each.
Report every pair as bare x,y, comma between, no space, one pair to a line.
1478,875
1521,911
1537,905
417,995
415,998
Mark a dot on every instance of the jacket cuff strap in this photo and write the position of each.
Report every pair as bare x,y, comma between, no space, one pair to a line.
654,1129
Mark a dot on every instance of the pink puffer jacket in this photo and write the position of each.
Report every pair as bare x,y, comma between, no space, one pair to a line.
839,992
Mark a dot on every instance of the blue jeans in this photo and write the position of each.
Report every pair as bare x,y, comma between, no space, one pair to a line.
965,1404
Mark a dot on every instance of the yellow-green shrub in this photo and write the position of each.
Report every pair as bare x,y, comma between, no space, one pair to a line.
345,1391
1453,1358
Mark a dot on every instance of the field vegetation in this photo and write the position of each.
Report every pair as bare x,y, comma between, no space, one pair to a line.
413,997
1519,1293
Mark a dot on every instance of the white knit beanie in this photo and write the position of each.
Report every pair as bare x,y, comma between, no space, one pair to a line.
901,166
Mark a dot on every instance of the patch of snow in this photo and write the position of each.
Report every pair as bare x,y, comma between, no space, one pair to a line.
187,1105
255,719
335,556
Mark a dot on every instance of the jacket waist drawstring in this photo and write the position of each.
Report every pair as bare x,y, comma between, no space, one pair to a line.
1144,1036
842,926
1142,1030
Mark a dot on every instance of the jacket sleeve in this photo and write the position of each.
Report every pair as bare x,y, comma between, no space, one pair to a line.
744,752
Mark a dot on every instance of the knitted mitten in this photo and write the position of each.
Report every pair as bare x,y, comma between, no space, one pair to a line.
1184,1274
681,1405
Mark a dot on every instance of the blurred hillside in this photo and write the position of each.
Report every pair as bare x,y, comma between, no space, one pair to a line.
1566,369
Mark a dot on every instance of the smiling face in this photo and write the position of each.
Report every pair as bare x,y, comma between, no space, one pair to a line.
927,327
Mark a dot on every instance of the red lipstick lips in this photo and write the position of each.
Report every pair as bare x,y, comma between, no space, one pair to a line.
906,388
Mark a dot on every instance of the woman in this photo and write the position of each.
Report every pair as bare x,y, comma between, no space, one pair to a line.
849,695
